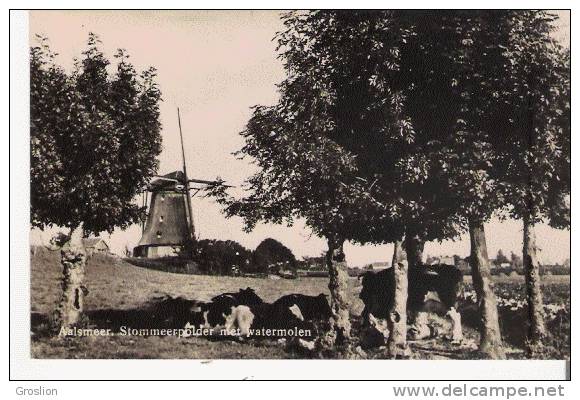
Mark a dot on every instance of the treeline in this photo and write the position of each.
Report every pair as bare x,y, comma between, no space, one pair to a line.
219,257
501,264
411,126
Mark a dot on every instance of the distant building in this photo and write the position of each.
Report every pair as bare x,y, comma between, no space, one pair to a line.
441,260
313,263
500,264
96,245
461,263
379,265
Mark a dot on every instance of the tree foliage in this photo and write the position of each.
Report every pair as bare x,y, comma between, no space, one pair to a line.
420,120
346,68
456,114
94,136
534,145
332,150
222,257
270,253
302,174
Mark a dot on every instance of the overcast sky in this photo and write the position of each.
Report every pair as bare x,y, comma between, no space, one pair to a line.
214,66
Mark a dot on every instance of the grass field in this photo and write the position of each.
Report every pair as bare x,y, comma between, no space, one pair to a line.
117,285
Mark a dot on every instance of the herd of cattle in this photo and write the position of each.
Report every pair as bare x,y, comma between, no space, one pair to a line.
246,314
431,290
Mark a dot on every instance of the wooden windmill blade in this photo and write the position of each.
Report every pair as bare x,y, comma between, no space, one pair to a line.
187,196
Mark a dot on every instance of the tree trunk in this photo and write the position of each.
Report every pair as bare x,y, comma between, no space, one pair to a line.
397,319
338,284
536,329
73,260
414,248
490,343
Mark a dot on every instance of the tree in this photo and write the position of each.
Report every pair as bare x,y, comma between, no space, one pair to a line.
500,258
344,70
416,63
402,92
310,168
505,83
271,253
534,117
304,174
219,257
94,141
516,261
397,321
452,74
411,98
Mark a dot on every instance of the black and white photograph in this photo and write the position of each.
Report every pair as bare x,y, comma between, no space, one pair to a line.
299,185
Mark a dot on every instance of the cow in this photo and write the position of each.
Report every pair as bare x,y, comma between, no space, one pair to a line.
291,313
310,307
245,296
219,311
236,321
432,288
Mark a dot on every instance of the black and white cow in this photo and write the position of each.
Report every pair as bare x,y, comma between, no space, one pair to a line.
432,288
228,310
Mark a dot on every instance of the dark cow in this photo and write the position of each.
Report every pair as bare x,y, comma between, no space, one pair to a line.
245,296
159,312
432,288
297,311
311,307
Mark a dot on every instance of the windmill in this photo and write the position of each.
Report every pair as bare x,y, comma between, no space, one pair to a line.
169,230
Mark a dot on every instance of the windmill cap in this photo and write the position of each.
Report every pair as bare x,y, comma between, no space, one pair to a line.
168,181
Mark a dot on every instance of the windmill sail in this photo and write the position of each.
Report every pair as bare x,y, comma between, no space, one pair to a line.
191,227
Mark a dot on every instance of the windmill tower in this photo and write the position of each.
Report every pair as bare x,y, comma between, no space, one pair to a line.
169,230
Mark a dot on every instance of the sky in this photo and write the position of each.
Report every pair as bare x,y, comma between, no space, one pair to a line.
214,66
